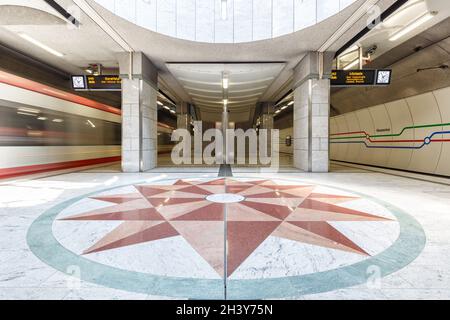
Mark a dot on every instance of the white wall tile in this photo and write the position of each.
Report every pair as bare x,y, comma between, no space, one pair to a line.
247,20
262,19
304,14
186,19
243,20
146,13
205,20
283,17
224,29
166,17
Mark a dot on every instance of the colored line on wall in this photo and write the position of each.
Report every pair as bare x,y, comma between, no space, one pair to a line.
369,137
424,142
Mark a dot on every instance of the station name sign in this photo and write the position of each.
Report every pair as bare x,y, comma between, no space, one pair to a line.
97,83
351,78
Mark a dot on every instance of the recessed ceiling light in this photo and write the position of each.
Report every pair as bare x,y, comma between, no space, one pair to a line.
413,25
89,122
40,44
29,110
42,118
159,103
351,64
291,103
225,83
58,120
27,114
403,13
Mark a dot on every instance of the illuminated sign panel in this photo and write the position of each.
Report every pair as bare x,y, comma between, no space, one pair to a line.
352,78
97,83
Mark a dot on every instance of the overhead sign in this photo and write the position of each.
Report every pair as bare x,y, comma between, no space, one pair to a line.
97,83
351,78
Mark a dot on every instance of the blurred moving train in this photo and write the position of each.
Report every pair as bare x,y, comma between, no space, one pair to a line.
45,129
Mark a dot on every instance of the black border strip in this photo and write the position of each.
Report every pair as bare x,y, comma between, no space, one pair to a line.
400,170
386,14
63,12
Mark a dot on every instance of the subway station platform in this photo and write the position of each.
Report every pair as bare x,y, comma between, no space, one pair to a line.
349,234
215,151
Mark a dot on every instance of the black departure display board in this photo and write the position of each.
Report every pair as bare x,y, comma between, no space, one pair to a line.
352,78
97,83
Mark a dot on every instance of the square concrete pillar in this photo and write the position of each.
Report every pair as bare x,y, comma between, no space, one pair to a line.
139,113
183,116
267,121
311,114
184,121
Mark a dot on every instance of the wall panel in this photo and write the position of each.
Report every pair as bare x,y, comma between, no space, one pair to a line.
424,111
409,134
400,118
382,125
366,124
354,150
443,100
333,147
341,125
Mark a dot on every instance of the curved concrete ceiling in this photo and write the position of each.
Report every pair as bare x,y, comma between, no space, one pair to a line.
20,15
289,48
91,44
404,60
409,12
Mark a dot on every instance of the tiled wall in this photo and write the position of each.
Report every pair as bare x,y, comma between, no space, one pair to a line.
409,134
247,20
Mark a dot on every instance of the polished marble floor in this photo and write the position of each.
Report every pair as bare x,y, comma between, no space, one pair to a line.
189,234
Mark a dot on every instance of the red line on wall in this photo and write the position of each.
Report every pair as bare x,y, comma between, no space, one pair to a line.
386,141
40,168
30,85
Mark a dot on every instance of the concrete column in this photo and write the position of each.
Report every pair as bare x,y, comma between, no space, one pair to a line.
312,112
139,112
267,122
183,116
268,109
228,153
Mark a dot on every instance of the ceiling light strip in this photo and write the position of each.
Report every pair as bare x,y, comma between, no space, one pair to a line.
412,26
40,44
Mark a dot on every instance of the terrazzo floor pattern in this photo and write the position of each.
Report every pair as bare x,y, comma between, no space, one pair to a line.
283,227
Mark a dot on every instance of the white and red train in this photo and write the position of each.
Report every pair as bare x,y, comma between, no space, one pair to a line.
45,129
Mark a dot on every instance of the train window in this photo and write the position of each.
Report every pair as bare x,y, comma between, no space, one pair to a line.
28,126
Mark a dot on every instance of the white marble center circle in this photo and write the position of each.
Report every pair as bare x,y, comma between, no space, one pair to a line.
225,198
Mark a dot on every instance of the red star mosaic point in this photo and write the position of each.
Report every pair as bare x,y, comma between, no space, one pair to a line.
293,212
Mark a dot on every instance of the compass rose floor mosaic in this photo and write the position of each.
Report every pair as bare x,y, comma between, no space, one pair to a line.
185,236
